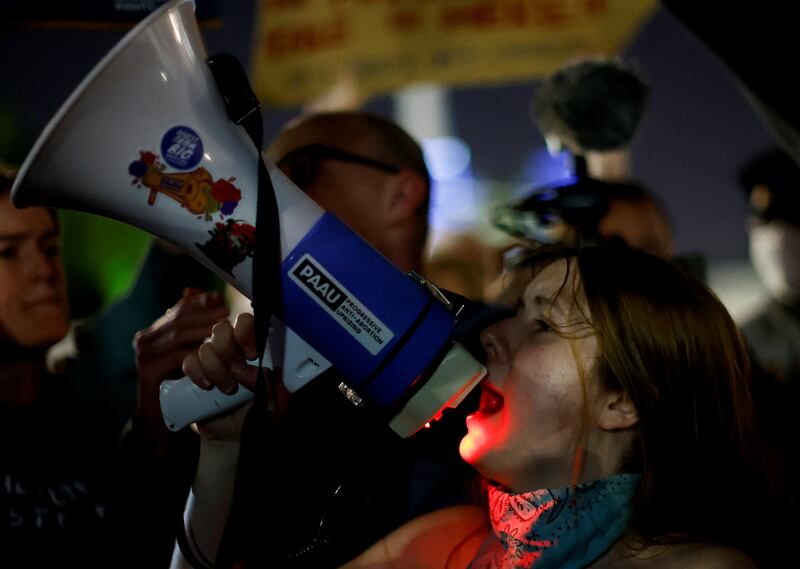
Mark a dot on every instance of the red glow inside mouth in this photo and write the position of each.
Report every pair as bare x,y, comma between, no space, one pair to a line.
491,400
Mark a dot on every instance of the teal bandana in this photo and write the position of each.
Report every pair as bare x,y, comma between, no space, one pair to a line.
566,528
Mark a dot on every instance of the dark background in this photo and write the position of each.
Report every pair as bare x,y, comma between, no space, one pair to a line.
698,131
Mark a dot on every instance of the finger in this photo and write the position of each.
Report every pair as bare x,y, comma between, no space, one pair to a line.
213,299
185,332
165,363
196,297
194,370
153,346
191,291
180,315
198,306
244,332
146,347
224,343
215,370
183,338
153,372
245,374
152,332
192,309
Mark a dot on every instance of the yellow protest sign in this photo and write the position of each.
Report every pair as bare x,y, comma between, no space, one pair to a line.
302,47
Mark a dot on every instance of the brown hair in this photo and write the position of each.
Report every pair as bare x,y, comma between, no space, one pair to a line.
7,176
668,341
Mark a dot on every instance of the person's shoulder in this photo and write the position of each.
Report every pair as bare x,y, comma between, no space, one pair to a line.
705,556
463,516
684,556
449,536
457,530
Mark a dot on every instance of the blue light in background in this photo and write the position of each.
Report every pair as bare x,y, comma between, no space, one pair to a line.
455,195
542,168
447,157
459,201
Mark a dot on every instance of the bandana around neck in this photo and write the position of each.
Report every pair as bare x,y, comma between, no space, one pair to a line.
566,528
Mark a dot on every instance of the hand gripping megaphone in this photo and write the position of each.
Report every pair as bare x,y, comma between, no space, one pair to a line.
145,140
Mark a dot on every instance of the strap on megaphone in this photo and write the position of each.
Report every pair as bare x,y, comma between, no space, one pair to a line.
243,108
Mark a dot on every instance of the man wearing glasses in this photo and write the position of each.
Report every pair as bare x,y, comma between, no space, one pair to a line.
367,171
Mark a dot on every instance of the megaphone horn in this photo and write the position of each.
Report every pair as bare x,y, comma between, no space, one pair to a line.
146,139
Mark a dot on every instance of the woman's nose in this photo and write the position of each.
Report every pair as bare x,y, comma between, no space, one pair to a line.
44,266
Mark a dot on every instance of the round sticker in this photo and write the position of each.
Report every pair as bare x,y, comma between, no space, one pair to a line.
182,148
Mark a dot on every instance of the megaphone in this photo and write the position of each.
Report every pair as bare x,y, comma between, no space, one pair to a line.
145,139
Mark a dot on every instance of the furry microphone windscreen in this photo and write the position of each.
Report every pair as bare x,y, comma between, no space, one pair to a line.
596,104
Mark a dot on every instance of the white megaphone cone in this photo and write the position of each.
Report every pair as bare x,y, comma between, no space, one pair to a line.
145,139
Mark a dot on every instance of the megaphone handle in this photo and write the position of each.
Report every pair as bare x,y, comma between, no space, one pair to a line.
183,402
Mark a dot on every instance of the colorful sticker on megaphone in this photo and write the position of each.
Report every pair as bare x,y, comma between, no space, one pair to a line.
230,244
182,148
196,191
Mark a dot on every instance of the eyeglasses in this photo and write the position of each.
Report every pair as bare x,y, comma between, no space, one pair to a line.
301,165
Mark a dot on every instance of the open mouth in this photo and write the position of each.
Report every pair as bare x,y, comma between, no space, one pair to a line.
491,399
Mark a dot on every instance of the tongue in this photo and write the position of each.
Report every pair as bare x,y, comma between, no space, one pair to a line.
491,401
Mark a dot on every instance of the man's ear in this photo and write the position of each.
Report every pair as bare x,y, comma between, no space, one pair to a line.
617,411
408,192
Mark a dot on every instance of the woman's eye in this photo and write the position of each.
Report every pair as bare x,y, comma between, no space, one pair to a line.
8,252
52,250
543,326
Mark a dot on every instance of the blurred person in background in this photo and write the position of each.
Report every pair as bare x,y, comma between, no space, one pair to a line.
64,496
771,182
586,211
55,457
593,109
